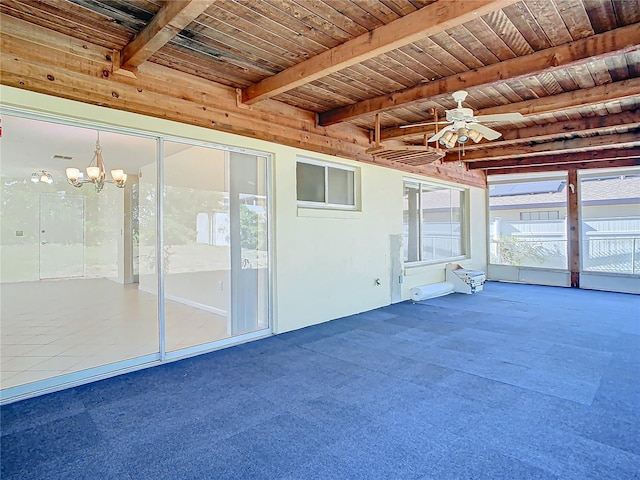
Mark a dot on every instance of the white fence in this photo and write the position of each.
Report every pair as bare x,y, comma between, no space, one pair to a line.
608,245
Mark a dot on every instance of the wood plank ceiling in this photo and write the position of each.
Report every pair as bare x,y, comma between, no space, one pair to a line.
341,76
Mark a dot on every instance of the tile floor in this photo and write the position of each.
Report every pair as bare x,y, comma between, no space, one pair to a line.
50,328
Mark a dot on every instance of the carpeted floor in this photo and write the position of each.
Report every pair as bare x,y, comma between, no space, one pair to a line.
516,382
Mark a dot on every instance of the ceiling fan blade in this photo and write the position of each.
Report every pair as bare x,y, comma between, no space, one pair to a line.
437,136
486,132
500,117
422,124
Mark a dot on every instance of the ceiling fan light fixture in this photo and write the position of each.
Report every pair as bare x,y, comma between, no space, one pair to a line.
448,139
475,136
463,135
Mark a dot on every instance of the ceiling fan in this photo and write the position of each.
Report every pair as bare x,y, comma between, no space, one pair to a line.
464,126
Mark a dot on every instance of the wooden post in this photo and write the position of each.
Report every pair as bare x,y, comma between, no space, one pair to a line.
573,223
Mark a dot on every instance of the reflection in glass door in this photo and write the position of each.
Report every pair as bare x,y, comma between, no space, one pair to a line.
215,244
249,235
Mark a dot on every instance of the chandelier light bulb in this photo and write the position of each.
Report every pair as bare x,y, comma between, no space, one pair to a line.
93,172
72,174
117,175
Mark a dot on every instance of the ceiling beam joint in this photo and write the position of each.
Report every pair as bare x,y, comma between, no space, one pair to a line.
170,20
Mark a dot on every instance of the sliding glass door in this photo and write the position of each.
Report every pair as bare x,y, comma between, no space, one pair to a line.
215,241
610,229
101,274
528,229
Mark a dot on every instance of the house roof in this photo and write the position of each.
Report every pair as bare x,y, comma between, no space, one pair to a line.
343,76
620,189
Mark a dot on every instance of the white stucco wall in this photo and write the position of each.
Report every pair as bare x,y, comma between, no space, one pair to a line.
326,262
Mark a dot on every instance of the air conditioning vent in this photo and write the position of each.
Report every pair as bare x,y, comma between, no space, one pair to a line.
62,157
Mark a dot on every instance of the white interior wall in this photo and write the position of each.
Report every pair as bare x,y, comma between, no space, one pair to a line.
326,262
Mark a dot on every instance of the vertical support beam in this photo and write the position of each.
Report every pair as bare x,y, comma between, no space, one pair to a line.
573,223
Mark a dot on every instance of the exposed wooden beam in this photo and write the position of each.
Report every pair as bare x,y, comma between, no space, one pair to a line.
58,65
605,163
600,46
602,125
170,20
553,159
429,20
600,142
551,104
608,92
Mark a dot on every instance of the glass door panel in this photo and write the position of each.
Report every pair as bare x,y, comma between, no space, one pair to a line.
528,225
196,254
249,241
69,300
215,244
610,215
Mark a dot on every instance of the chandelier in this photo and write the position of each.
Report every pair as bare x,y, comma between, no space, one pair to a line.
42,176
96,172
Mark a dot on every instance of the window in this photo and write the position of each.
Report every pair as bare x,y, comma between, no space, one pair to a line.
610,221
433,222
527,222
322,184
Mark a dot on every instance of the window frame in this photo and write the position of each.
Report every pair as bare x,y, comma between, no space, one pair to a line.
326,204
464,224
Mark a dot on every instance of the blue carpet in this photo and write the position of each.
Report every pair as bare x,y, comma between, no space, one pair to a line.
516,382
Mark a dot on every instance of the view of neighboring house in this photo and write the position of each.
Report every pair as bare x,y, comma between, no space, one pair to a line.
529,223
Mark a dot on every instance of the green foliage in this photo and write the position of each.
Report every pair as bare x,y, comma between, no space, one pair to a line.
517,251
252,229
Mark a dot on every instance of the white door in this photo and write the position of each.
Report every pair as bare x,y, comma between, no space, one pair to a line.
61,236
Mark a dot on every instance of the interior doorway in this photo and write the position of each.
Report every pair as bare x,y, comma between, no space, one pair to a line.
61,237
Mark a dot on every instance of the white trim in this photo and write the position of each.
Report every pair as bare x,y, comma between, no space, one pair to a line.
81,377
323,163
